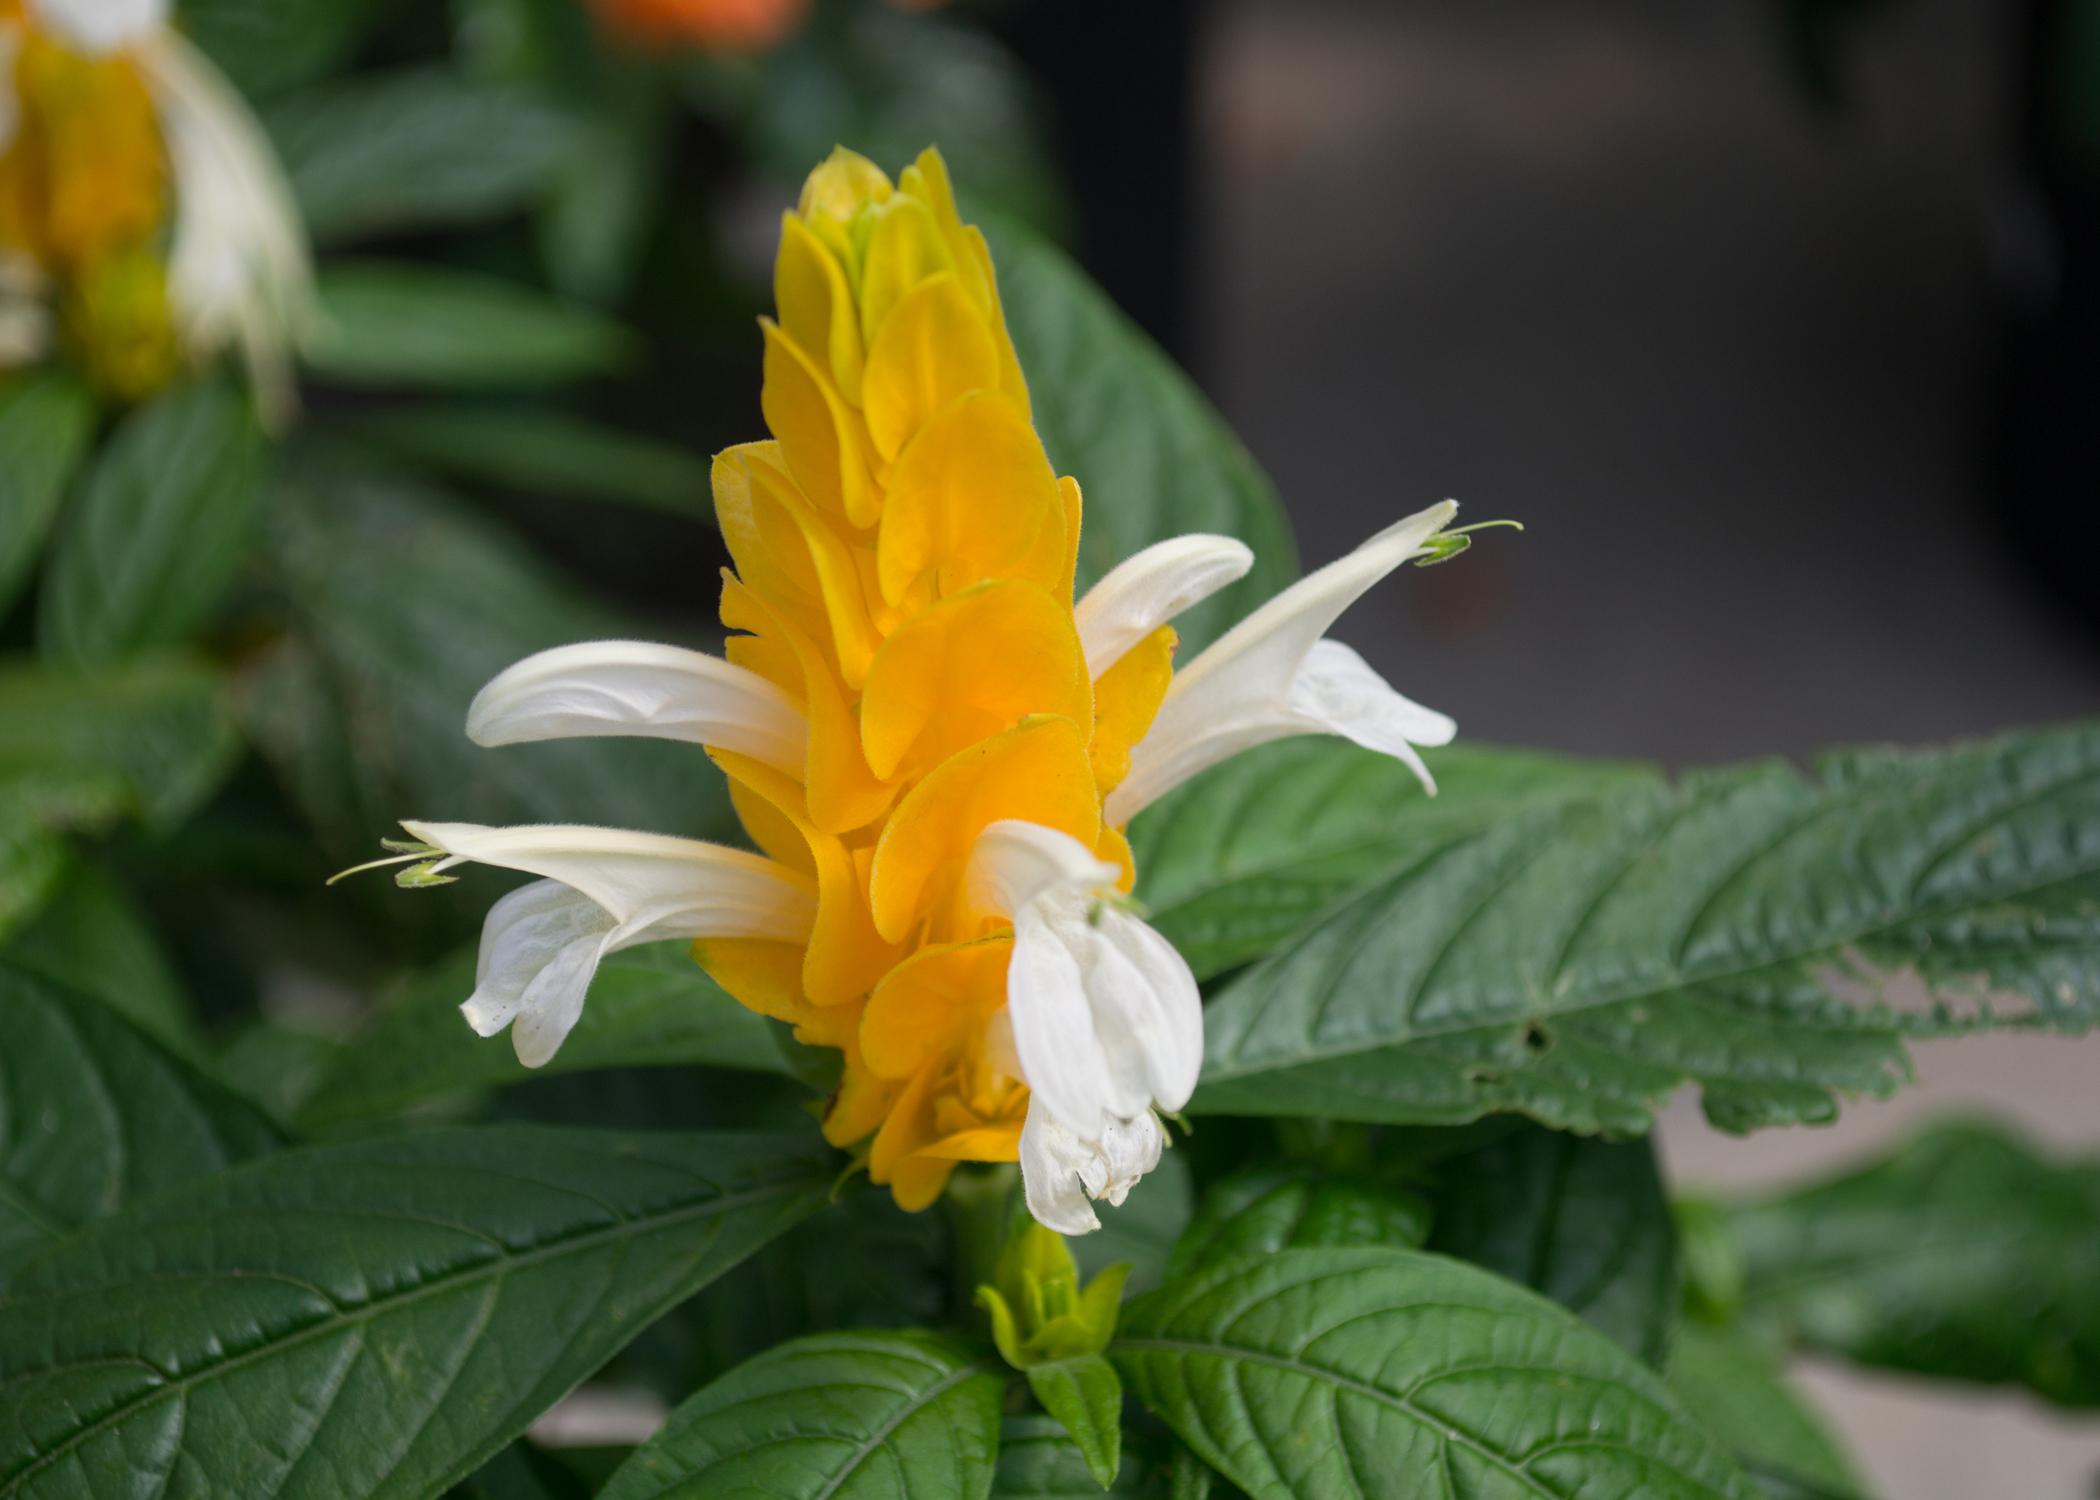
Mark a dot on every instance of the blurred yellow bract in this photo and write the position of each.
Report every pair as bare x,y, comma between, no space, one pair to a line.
138,201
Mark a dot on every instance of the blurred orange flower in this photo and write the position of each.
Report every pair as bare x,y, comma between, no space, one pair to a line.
740,25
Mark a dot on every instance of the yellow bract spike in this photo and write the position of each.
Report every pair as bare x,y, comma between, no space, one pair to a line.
905,559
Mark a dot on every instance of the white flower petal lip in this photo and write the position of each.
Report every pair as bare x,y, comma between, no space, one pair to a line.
540,947
643,880
239,269
1151,587
1265,680
639,688
1060,1171
97,26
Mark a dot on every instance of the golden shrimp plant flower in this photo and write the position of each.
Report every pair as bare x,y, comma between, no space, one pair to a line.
144,220
933,748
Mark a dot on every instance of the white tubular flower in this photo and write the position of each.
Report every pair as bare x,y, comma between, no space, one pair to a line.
1146,590
639,688
1273,676
99,26
1106,1020
603,889
239,270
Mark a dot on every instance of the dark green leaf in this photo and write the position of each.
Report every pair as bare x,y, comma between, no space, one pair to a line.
45,422
394,323
651,1007
543,452
92,939
1373,1373
1038,1461
402,605
854,1416
368,1321
1731,1386
417,148
153,737
94,1115
1266,1209
1581,1220
887,85
1577,962
1965,1255
267,45
160,525
1152,457
1244,856
1087,1398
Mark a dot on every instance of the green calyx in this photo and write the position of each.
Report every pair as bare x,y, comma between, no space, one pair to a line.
1039,1313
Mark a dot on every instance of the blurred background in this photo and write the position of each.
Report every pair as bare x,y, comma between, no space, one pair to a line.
1776,323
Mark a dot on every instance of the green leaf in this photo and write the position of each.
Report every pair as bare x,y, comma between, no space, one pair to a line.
1732,1388
1039,1461
1371,1373
1152,457
1964,1255
853,1416
94,940
1582,1220
265,45
153,737
1577,962
45,423
1245,855
368,1321
1261,1210
401,604
417,148
157,530
93,1115
396,323
650,1007
544,452
1087,1398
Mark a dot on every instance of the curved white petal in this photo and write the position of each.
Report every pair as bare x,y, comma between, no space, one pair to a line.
1053,1025
1156,1015
540,945
1264,679
1146,590
540,948
643,880
1012,863
1060,1171
97,26
239,270
644,689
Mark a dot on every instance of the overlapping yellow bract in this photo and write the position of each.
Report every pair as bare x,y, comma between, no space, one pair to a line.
904,558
